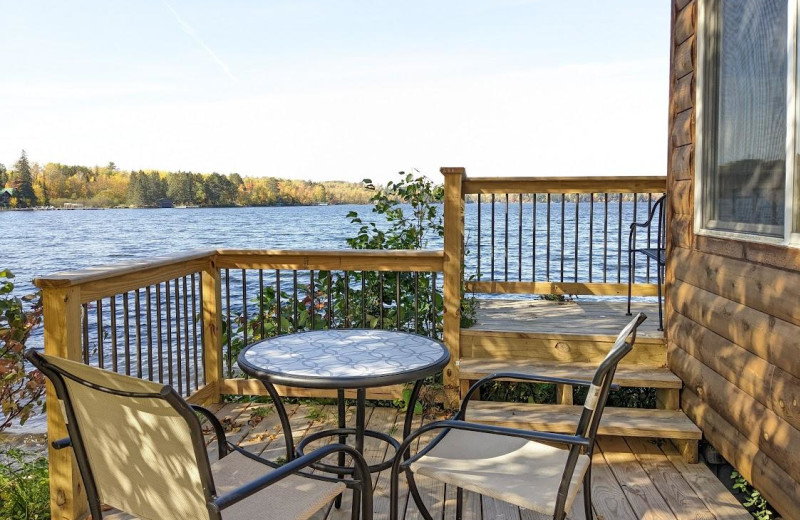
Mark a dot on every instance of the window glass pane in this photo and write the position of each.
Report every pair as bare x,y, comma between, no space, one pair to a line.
746,173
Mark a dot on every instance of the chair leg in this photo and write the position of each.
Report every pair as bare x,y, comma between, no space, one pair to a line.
459,503
660,298
587,493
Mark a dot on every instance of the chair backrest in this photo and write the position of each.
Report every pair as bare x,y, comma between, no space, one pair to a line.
601,382
661,228
138,445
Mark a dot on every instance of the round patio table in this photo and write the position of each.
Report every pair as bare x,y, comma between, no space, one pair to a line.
344,359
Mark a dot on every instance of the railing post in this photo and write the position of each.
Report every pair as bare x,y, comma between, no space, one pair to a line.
453,258
212,328
62,338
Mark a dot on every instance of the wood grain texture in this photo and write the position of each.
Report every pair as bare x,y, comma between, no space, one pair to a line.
634,422
682,165
720,246
762,427
684,58
452,276
767,337
594,184
685,24
630,376
683,128
755,286
681,198
339,260
62,338
577,288
212,327
683,95
780,489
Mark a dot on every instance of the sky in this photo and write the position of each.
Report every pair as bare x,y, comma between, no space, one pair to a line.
338,90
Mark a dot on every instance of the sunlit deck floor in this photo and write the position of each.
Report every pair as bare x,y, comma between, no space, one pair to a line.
580,316
632,478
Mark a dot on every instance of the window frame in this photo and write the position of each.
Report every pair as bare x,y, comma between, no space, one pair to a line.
747,232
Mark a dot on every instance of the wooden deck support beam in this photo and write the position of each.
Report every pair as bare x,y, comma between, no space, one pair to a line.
453,279
62,338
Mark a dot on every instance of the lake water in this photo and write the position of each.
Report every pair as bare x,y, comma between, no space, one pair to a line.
38,243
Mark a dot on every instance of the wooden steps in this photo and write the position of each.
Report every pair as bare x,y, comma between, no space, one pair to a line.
627,375
625,422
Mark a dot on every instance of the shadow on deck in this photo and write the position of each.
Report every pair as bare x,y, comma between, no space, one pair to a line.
633,478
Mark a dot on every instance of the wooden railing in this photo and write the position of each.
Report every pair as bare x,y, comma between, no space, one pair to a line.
181,320
560,235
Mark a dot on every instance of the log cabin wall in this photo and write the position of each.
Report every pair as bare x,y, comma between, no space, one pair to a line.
733,313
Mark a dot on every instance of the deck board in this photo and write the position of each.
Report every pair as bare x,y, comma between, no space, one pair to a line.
580,316
633,479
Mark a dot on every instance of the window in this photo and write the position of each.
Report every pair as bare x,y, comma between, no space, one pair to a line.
746,120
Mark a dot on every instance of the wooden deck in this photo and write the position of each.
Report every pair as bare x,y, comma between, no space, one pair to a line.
632,478
578,317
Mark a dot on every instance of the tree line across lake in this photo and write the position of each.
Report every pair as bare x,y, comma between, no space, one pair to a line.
54,184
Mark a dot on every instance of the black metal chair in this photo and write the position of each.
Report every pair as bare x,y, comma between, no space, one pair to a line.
518,466
140,450
658,253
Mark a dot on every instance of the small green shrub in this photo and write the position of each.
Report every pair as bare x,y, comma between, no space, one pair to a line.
24,487
754,501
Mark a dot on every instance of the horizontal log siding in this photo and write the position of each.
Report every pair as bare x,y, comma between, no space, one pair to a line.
733,319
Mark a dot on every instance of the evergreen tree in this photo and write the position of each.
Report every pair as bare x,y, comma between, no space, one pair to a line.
23,182
3,176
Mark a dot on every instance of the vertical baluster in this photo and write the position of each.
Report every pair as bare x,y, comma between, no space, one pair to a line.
577,219
533,241
649,228
619,239
330,299
229,355
261,302
159,337
113,312
137,317
591,235
313,292
549,200
149,326
126,323
519,240
433,304
194,333
178,342
398,307
278,313
380,299
632,245
85,320
563,225
479,238
363,299
492,252
168,319
347,299
605,237
244,306
416,301
187,355
100,361
294,299
505,244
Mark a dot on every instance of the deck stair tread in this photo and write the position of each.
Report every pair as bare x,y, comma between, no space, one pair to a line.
626,422
580,317
626,375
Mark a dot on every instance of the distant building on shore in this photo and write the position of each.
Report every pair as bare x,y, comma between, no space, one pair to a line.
5,197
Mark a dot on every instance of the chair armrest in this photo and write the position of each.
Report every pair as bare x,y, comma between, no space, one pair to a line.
237,495
534,378
558,438
219,431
